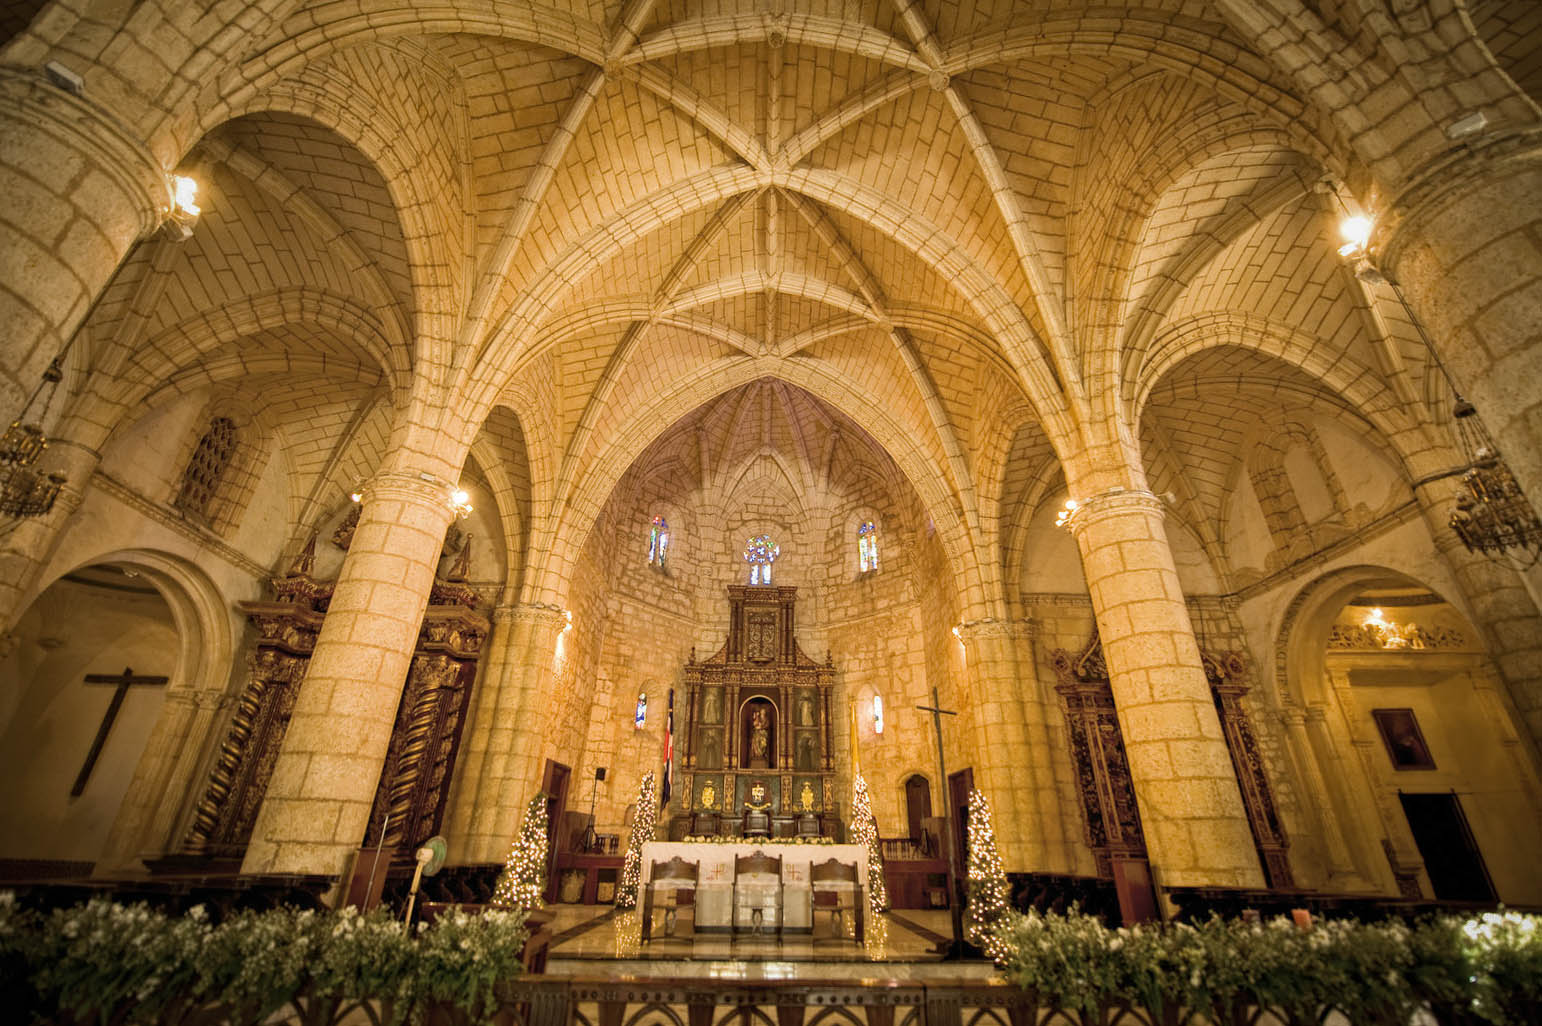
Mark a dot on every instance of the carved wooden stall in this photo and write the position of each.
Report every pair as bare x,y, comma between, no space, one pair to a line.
1097,756
415,779
758,712
286,626
1227,673
1102,772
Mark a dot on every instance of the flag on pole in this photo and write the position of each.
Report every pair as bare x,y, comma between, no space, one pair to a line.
669,750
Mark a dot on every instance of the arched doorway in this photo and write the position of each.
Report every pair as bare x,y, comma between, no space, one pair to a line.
918,807
1400,719
70,738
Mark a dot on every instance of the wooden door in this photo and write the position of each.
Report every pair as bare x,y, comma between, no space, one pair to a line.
959,786
1451,856
554,784
918,805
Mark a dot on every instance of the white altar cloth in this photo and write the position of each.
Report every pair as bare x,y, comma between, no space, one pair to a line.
715,882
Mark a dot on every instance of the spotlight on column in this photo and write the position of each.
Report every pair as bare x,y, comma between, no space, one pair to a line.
184,212
1355,230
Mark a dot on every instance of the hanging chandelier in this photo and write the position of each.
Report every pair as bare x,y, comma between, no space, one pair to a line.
26,491
1492,516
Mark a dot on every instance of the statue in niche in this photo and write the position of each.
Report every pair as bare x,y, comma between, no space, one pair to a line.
805,710
710,756
758,753
710,712
805,751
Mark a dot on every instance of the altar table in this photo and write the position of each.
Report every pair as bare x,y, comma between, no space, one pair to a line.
715,882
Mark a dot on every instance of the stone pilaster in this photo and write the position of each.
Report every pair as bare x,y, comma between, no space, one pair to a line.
1191,809
507,732
1465,243
319,797
1013,767
1338,862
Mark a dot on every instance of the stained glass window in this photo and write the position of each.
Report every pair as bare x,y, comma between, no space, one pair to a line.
658,542
867,547
760,552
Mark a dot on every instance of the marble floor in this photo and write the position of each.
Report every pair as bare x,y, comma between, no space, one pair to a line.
591,940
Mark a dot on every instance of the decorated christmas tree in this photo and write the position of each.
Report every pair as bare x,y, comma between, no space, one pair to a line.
987,881
524,871
642,832
864,829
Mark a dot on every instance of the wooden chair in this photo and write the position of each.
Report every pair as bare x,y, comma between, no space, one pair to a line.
667,883
757,892
837,889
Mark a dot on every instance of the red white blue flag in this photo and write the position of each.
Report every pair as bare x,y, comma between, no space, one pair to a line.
669,750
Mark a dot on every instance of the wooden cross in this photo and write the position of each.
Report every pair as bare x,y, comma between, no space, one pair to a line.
957,951
124,681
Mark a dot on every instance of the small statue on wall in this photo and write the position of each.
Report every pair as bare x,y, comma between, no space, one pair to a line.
710,711
805,710
806,751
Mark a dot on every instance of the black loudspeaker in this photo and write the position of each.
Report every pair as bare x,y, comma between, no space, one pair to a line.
599,774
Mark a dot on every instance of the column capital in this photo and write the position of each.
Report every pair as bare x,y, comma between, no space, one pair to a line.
116,150
541,614
1113,503
990,627
419,489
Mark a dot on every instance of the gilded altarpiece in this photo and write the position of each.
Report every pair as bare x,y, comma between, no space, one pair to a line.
286,628
758,711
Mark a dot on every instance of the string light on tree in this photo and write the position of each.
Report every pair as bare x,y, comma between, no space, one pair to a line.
642,832
524,871
987,881
865,832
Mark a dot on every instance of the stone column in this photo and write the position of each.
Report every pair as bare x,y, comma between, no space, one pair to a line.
1501,604
324,781
509,729
1465,244
1191,809
79,189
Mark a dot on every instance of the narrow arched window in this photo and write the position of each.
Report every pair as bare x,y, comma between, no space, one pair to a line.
658,542
867,547
201,478
760,552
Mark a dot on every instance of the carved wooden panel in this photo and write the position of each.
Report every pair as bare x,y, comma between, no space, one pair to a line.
1227,674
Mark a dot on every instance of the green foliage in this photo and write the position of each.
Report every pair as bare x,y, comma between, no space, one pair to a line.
107,963
1486,969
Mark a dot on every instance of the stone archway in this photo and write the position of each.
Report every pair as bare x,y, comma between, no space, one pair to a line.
1390,695
130,756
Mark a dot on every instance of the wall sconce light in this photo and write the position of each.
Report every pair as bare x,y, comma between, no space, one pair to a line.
1355,230
1063,518
184,211
460,502
877,714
